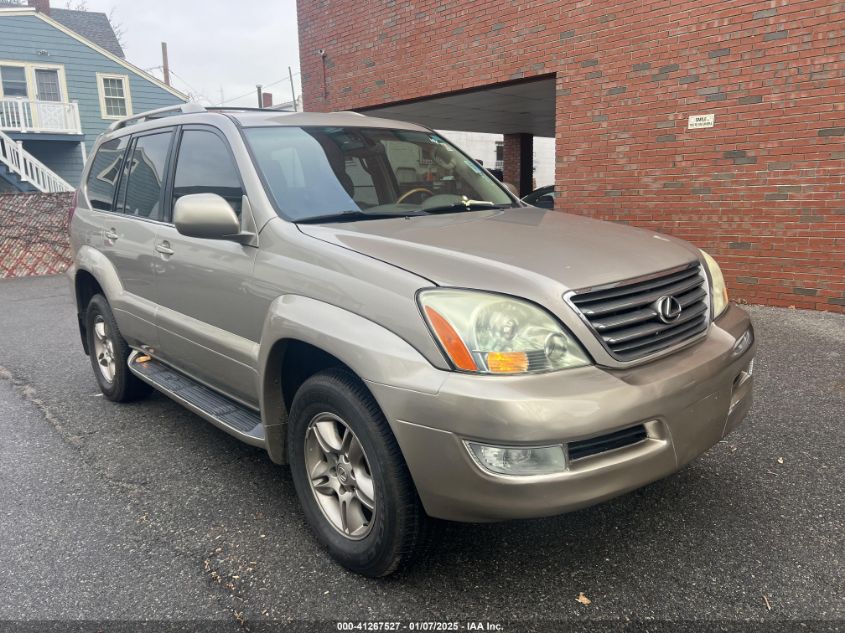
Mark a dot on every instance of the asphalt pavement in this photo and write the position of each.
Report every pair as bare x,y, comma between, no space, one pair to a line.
146,512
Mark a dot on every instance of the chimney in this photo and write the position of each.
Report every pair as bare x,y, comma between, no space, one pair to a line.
266,100
42,6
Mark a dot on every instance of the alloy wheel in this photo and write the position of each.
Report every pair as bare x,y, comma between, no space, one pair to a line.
340,475
104,349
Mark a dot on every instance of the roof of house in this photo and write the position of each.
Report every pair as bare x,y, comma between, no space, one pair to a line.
92,25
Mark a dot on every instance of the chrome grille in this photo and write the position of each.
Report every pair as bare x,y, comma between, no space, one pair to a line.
626,320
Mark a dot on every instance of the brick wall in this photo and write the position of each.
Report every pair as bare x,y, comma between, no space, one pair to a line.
763,190
33,234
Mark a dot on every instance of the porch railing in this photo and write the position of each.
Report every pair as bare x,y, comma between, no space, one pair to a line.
28,168
27,115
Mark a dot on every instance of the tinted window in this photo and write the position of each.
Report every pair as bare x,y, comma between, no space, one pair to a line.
145,171
205,165
105,169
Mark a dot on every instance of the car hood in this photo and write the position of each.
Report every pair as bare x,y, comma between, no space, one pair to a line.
508,249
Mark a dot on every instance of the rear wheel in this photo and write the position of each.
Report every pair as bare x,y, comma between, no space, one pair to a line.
109,354
350,476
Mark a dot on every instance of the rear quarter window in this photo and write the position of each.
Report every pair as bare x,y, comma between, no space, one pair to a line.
103,176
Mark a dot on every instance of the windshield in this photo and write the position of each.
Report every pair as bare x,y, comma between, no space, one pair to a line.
322,172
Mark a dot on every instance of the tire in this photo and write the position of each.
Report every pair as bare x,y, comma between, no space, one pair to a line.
377,542
109,354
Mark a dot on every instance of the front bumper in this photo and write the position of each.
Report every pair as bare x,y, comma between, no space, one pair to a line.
687,402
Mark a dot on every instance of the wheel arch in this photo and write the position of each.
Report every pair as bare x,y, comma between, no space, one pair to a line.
93,274
302,336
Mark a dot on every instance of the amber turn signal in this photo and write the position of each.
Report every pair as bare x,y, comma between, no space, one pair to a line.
450,340
507,362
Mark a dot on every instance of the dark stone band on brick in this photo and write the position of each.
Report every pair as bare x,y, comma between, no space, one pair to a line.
689,79
595,74
710,90
748,100
777,35
589,62
618,90
739,246
641,66
735,153
832,131
751,281
807,292
666,138
719,52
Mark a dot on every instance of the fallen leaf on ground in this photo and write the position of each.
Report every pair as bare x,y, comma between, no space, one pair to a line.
583,599
780,460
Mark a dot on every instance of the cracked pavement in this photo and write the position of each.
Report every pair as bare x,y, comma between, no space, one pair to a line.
146,512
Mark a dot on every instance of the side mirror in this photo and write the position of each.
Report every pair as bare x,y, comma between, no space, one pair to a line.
206,215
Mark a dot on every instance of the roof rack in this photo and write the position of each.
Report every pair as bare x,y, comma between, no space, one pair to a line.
182,108
235,109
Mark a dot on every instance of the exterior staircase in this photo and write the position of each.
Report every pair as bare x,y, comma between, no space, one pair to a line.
22,172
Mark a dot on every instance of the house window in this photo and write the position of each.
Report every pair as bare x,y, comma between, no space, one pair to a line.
14,81
115,100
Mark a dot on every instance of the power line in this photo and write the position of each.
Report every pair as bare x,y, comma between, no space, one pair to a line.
252,92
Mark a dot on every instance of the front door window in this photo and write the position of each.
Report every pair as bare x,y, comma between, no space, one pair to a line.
47,85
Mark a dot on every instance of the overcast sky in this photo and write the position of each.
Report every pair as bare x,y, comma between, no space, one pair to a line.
213,45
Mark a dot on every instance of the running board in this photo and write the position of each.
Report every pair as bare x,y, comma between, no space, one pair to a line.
228,415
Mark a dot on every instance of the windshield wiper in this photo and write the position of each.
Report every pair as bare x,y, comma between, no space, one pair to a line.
466,205
351,216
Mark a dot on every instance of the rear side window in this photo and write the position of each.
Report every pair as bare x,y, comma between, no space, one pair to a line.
105,168
205,165
144,173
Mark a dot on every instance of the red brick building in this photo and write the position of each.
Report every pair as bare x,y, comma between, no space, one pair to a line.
616,83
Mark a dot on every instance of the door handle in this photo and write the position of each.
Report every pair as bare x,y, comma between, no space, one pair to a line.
112,235
164,248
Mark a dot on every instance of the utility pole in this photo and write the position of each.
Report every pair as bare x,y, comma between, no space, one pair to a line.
292,91
165,64
258,90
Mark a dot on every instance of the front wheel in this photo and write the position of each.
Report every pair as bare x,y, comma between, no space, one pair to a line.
350,476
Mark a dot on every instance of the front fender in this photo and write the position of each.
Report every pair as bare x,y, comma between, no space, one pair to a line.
374,353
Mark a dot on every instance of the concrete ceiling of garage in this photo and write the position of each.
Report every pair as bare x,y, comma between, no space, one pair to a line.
525,106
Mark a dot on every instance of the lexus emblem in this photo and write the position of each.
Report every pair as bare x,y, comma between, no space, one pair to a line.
668,308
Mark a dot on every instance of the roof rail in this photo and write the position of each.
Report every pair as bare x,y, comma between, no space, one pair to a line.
181,108
235,109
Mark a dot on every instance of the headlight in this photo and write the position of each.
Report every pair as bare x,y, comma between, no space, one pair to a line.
719,290
494,334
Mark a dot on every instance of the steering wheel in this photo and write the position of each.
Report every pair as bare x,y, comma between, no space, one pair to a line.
408,194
